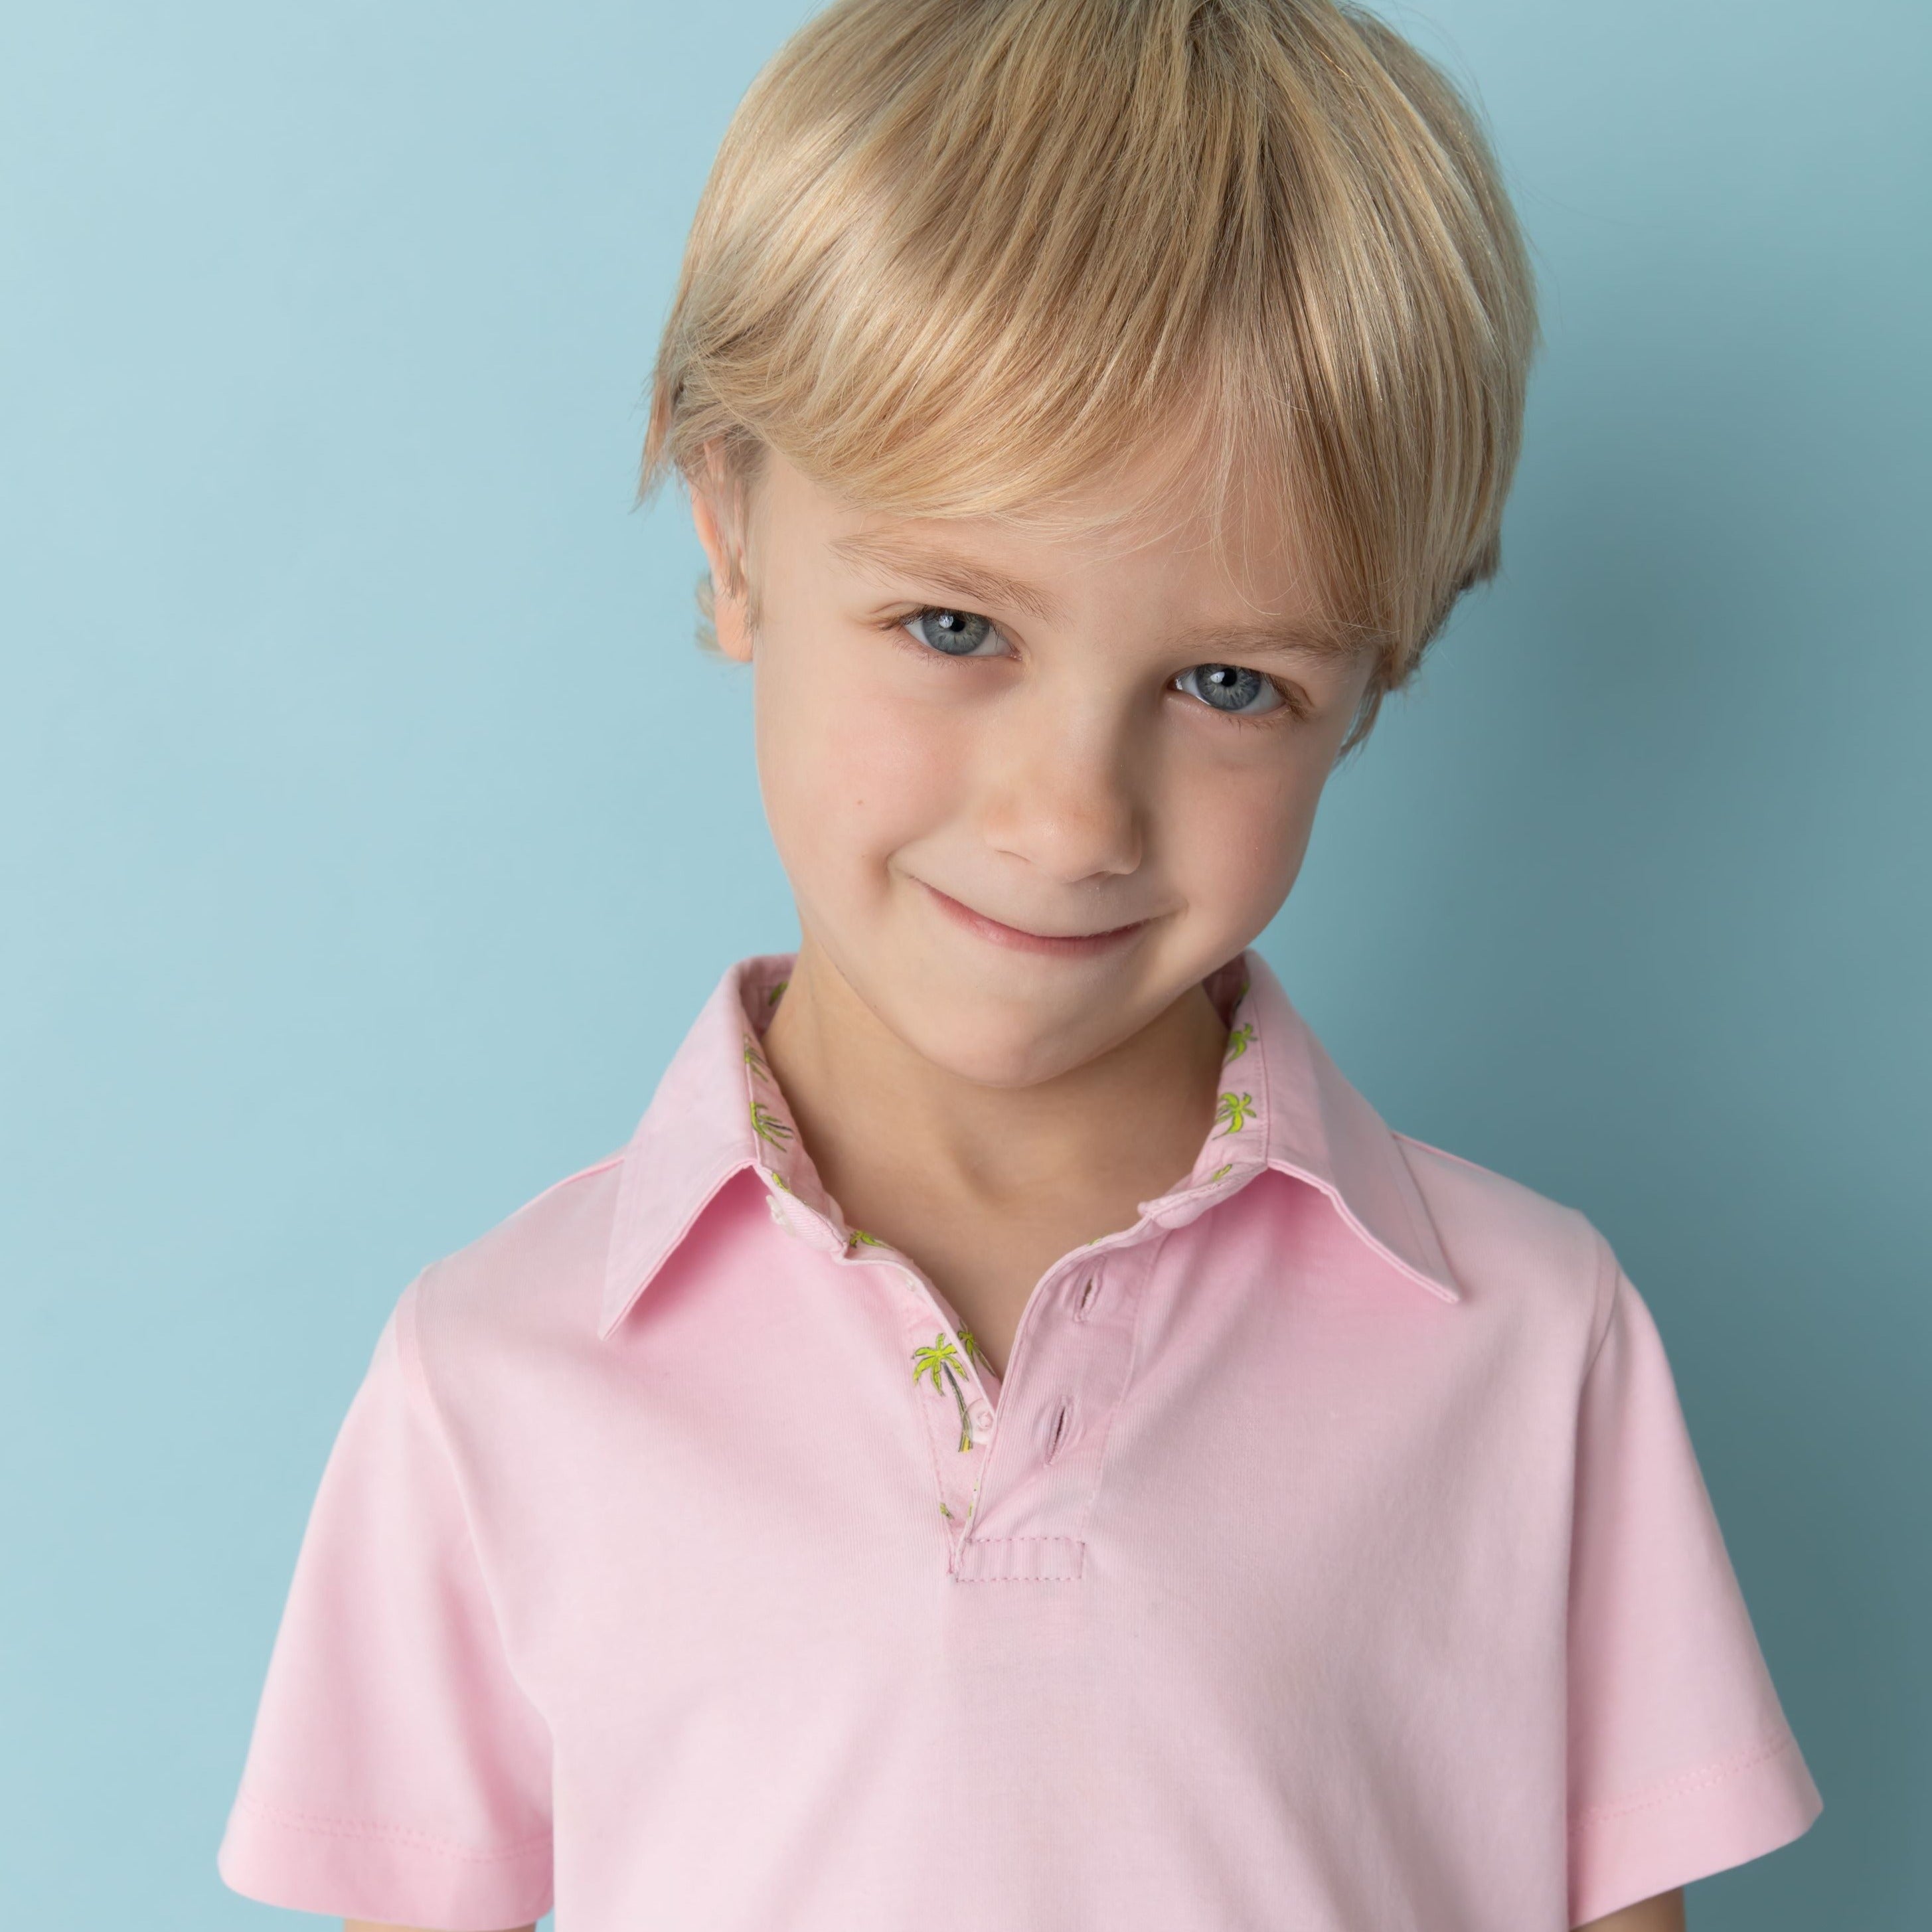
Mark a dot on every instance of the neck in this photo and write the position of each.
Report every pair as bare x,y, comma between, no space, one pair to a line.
882,1122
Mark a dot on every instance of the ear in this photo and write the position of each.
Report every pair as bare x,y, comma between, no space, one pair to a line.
717,532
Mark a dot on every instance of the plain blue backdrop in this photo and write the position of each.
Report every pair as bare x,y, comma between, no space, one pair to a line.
370,828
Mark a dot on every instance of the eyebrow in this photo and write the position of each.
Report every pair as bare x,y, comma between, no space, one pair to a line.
1320,638
946,570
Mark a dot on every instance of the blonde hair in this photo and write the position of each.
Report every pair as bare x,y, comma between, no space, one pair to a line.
961,257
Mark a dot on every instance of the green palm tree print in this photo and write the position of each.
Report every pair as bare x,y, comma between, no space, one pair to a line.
1239,1039
1235,1109
755,1061
767,1125
934,1361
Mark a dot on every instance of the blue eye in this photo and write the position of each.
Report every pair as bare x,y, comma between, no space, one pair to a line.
1231,689
958,633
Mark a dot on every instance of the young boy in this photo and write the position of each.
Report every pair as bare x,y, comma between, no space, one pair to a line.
1015,1442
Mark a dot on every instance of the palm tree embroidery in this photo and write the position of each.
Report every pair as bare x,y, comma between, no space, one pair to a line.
767,1125
1234,1109
772,998
1238,1041
778,1180
1226,1169
971,1342
937,1360
755,1061
859,1237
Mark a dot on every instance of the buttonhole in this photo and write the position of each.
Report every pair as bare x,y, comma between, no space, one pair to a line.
1086,1296
1059,1432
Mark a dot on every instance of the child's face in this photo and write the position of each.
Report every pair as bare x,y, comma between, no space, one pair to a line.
1041,749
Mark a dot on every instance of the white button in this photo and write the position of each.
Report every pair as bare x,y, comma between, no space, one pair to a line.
982,1418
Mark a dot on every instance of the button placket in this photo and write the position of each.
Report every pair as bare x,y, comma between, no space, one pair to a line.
1026,1524
1071,1359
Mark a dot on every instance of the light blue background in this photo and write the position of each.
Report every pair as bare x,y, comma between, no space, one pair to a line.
371,830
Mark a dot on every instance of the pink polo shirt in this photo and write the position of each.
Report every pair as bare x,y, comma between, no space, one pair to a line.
1333,1557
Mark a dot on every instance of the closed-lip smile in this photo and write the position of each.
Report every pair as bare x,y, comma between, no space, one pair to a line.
1018,939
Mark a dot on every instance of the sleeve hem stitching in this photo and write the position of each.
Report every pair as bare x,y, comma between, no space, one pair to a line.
322,1826
1716,1772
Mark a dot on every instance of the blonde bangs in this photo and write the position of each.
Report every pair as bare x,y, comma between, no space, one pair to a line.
965,257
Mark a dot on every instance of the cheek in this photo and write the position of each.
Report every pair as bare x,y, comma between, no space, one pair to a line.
851,762
1240,834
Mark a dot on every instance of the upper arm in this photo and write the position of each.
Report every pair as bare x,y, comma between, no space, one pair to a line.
1664,1913
369,1925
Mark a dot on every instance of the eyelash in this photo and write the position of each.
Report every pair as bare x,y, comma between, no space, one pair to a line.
1292,705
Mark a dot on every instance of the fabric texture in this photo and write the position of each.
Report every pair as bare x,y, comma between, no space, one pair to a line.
1333,1554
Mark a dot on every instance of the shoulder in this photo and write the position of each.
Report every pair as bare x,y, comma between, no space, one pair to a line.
532,1280
1524,1253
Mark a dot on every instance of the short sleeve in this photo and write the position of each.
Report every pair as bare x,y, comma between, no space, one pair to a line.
1681,1762
397,1771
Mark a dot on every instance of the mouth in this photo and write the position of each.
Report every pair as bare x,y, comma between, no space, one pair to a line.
1063,946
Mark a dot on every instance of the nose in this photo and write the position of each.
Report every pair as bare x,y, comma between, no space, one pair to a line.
1060,791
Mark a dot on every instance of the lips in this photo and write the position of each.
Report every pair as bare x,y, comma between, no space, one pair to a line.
1020,939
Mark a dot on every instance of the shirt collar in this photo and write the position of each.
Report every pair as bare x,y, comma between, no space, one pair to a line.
1283,1105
